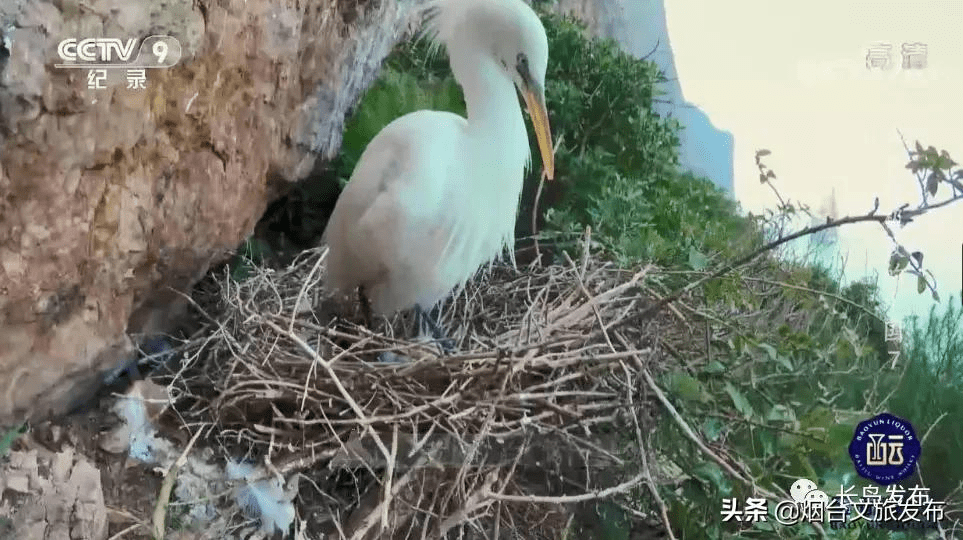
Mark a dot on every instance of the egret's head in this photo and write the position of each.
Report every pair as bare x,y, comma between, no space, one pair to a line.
512,35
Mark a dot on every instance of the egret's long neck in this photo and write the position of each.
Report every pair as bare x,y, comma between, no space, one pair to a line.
497,152
495,121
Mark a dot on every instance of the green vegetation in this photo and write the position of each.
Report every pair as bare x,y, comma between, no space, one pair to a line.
784,359
7,438
930,391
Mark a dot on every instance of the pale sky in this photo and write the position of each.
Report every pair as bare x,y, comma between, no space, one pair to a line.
791,77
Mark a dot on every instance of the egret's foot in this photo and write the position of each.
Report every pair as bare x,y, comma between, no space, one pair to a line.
389,357
428,325
447,345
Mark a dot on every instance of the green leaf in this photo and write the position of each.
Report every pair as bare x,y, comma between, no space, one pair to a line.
714,368
697,261
780,413
255,249
712,428
769,349
741,403
763,152
785,362
820,417
241,268
614,521
775,356
920,284
897,263
945,156
685,386
711,473
839,435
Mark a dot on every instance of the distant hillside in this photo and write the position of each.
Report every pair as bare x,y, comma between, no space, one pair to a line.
639,26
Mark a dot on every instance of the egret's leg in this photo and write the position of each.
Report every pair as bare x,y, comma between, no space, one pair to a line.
365,308
369,322
425,321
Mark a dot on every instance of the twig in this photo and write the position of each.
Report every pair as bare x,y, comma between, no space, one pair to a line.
692,434
478,499
867,218
326,364
160,509
392,460
933,425
643,453
377,513
538,196
593,495
304,287
121,534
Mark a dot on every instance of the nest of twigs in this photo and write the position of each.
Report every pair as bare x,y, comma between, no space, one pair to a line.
549,375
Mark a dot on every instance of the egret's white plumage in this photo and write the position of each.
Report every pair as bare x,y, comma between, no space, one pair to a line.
435,195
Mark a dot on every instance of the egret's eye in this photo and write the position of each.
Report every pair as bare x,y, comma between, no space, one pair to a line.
522,66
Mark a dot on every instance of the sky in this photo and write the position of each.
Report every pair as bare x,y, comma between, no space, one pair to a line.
791,77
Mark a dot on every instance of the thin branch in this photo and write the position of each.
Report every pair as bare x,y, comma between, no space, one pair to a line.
163,498
830,224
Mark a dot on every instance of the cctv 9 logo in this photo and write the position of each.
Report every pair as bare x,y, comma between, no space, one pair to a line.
154,52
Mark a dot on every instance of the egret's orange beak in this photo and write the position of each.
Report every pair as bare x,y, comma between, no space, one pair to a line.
535,99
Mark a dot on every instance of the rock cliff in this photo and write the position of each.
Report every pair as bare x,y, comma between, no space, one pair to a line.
113,200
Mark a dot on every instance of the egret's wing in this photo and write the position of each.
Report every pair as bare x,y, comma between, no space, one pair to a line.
392,216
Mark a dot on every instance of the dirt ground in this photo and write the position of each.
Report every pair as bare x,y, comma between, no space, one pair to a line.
59,466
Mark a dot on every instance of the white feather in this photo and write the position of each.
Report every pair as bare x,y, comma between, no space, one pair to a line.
264,499
140,432
434,196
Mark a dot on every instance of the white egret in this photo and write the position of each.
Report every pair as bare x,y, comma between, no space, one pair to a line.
435,195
